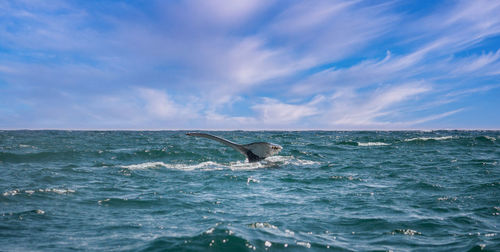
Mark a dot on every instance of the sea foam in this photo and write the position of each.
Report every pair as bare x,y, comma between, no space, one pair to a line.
428,138
372,144
238,165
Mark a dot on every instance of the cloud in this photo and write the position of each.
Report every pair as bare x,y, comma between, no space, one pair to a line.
464,92
431,118
327,31
274,112
474,63
244,64
366,110
159,105
227,12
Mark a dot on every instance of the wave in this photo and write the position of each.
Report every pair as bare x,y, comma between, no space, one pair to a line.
269,162
409,232
353,143
486,138
21,214
33,191
429,138
233,238
372,144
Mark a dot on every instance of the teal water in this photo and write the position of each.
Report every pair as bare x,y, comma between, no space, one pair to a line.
165,191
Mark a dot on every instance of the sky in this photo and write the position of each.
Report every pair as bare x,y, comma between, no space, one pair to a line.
250,65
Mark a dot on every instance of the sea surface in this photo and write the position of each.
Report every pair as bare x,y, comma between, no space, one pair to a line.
326,191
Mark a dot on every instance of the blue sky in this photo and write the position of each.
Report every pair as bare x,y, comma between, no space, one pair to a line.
249,64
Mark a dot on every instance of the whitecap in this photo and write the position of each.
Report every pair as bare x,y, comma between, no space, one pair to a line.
372,144
26,146
490,138
11,193
304,244
262,225
60,191
209,231
270,162
238,165
251,179
209,165
409,232
143,166
290,160
428,138
31,192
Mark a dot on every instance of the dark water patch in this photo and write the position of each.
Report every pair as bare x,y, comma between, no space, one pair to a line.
486,139
26,216
216,240
349,143
38,156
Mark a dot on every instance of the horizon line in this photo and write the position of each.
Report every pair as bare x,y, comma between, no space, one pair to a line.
289,130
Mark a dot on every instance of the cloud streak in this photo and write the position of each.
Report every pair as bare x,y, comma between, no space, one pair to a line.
245,65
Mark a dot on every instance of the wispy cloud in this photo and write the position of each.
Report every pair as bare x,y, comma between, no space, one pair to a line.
244,64
274,112
366,110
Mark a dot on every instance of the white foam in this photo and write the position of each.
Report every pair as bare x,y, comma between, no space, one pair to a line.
372,144
149,165
60,191
238,165
490,138
409,232
251,179
143,166
209,231
428,138
262,225
290,160
30,192
11,193
304,244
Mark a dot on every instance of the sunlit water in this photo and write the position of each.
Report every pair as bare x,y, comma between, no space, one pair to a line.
91,190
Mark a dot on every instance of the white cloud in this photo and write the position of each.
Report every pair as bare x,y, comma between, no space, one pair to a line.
250,63
474,63
430,118
158,104
227,12
366,110
199,58
304,16
327,31
470,91
274,112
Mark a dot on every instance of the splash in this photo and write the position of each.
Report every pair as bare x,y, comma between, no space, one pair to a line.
428,138
151,165
274,161
372,144
32,191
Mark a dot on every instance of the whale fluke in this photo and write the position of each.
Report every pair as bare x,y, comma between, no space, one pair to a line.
254,151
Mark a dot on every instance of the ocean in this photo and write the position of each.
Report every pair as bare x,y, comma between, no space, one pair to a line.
325,191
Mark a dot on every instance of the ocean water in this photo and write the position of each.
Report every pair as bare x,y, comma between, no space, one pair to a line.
326,191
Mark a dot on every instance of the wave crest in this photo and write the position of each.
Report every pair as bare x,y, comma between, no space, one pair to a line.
269,162
372,144
428,138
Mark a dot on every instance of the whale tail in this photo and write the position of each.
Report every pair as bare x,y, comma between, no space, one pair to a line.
254,151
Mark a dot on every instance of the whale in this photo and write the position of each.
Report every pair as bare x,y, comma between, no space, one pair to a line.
254,152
